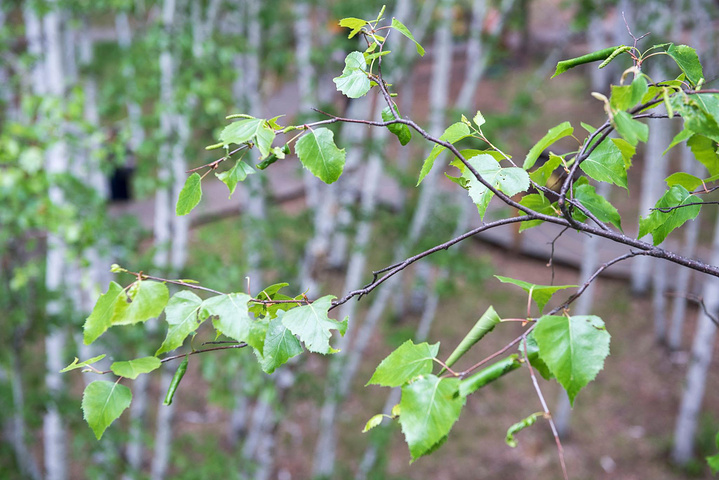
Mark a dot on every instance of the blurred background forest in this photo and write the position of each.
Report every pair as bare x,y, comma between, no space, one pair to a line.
104,106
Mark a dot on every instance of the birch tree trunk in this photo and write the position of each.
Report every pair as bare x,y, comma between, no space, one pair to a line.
26,461
134,113
655,170
163,222
695,384
138,408
701,29
54,434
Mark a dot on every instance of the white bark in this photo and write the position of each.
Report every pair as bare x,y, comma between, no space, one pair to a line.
134,113
348,185
166,254
163,433
653,174
695,384
247,98
138,408
54,434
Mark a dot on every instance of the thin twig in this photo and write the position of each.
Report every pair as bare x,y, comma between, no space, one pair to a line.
675,207
397,267
181,355
547,413
599,270
499,352
214,164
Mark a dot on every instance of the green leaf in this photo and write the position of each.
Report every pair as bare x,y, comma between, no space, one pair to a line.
489,374
183,317
133,368
312,325
565,65
539,293
270,293
705,151
319,154
354,81
484,325
625,97
236,174
230,316
574,349
598,205
560,131
355,24
479,119
400,130
546,172
102,403
280,345
678,138
713,461
190,195
511,180
405,363
630,129
397,25
429,408
373,422
249,130
532,353
100,318
690,182
699,114
661,224
518,427
75,365
688,60
627,150
538,203
142,301
606,164
453,133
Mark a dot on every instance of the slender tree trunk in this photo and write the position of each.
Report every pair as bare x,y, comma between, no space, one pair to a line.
134,113
26,461
135,445
54,433
695,384
163,228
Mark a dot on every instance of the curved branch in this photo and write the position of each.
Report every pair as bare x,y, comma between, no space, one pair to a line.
397,267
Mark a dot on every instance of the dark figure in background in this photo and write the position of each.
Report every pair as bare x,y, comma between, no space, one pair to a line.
121,184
